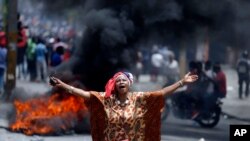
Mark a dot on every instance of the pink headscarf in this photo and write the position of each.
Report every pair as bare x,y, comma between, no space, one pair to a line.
110,85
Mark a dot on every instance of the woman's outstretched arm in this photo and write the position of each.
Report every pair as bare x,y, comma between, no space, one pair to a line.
72,90
188,78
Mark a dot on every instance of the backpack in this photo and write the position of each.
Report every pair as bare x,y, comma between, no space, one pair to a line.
243,67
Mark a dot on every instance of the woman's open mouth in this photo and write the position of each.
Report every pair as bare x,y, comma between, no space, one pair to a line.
121,87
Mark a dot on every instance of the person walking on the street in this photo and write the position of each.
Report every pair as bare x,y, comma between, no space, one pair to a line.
41,64
138,66
121,115
3,56
21,49
173,70
157,63
243,69
31,58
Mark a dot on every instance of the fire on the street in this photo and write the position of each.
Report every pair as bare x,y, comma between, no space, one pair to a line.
48,115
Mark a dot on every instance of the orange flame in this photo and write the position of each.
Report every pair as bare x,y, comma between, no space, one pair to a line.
48,115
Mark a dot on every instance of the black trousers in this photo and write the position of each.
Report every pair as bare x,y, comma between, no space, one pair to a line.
242,81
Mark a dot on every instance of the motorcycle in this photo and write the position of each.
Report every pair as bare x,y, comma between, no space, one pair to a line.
183,106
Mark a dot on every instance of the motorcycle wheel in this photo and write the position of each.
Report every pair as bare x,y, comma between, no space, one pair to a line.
211,121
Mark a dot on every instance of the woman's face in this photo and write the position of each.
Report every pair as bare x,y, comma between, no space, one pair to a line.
122,84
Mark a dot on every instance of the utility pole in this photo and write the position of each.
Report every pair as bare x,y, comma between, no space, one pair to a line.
11,34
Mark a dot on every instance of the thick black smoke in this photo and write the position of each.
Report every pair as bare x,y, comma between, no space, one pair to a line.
115,29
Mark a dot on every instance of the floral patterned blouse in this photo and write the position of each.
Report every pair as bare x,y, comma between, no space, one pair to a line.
138,119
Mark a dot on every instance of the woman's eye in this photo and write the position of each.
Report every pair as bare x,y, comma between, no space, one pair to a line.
119,80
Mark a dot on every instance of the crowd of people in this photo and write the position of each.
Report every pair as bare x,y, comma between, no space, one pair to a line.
35,53
38,54
160,61
210,86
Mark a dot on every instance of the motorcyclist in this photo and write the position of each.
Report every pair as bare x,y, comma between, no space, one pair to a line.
199,101
220,81
216,79
198,97
191,98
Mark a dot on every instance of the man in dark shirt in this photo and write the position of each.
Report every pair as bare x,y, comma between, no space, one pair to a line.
243,69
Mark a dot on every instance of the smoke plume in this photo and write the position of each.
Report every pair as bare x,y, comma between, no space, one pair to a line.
116,29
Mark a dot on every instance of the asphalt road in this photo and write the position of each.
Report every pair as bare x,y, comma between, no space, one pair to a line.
173,129
173,126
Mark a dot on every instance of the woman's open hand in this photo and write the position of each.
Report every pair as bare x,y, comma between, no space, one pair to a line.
55,81
189,78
